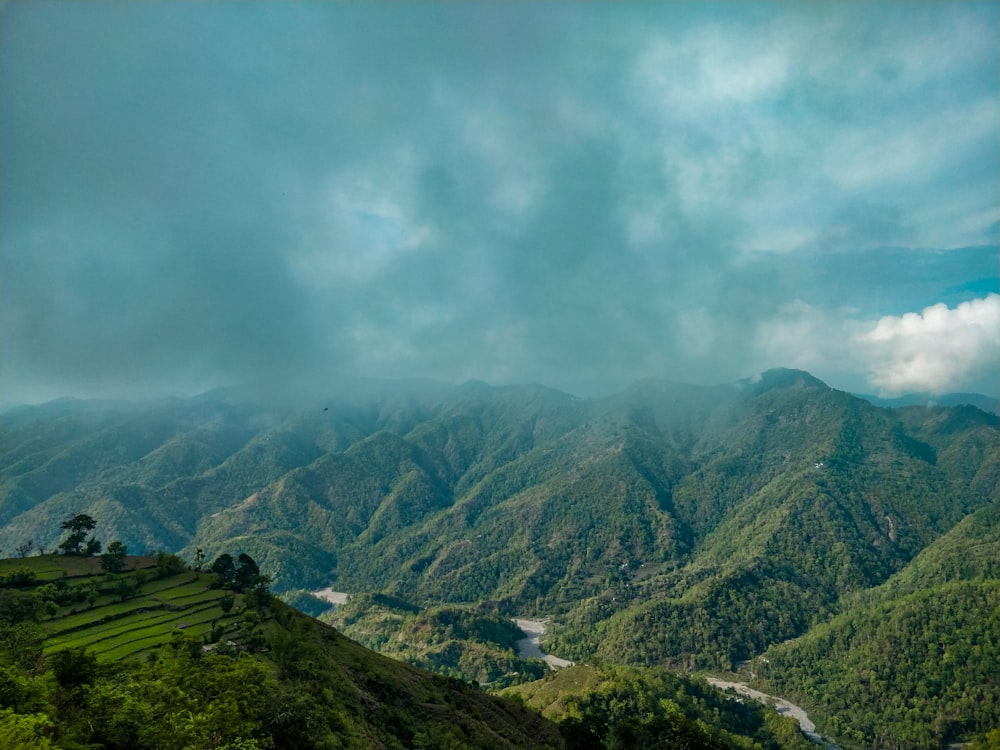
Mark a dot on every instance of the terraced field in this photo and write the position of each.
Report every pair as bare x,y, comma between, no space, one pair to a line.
126,615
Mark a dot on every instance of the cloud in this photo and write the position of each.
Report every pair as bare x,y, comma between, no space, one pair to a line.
579,195
937,350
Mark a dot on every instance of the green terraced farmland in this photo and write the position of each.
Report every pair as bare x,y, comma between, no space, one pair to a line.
160,605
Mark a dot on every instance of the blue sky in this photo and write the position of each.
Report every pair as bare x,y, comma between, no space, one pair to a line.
198,194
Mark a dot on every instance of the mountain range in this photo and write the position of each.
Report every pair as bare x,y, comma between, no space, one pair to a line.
669,525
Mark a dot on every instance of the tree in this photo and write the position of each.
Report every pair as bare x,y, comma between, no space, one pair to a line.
224,568
23,550
247,572
124,589
78,526
73,667
113,559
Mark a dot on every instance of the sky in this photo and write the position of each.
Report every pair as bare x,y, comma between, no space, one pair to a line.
199,194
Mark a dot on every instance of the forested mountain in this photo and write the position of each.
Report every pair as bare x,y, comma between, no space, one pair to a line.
155,655
913,661
666,525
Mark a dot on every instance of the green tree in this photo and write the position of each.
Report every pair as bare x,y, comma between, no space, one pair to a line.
113,559
25,731
224,568
77,526
247,572
124,589
73,667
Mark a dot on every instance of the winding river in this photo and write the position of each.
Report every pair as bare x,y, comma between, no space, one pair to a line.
782,706
530,648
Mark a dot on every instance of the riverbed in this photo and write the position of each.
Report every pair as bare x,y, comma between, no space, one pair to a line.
334,597
530,647
782,706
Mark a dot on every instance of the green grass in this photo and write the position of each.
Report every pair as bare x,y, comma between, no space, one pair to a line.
104,640
114,629
51,567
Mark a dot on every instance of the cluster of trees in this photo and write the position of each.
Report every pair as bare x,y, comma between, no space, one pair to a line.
626,708
241,574
477,645
77,543
916,672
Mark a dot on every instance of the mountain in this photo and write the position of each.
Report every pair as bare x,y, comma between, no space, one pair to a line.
986,403
157,655
667,525
930,633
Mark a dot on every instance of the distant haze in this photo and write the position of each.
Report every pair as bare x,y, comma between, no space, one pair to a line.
198,194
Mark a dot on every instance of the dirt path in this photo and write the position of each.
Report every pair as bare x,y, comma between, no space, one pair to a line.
782,706
529,648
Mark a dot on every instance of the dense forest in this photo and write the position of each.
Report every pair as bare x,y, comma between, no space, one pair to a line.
914,661
184,659
674,526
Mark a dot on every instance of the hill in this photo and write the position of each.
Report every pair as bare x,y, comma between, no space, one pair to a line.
915,661
162,656
668,525
163,662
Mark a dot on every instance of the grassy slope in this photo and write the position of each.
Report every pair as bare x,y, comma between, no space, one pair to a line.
356,696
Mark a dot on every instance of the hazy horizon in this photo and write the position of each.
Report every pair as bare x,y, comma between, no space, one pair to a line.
204,194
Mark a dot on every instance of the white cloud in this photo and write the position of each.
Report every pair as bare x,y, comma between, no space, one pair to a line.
936,350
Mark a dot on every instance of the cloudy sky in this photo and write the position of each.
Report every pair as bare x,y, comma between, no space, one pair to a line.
197,194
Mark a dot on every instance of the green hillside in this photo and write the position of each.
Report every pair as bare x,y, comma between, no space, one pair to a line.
915,661
668,525
465,642
631,708
172,665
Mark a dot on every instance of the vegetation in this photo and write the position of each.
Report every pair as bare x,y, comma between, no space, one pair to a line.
665,526
915,662
474,645
169,669
635,709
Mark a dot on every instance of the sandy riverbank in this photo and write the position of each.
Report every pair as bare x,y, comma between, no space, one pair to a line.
530,647
782,706
334,597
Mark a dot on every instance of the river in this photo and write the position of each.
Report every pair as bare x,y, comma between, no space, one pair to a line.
530,648
782,706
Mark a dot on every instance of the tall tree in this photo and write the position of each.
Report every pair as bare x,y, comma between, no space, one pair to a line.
225,568
113,559
247,572
78,526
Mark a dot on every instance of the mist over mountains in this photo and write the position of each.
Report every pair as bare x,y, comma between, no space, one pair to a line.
669,524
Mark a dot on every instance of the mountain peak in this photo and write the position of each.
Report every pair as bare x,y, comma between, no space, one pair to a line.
781,377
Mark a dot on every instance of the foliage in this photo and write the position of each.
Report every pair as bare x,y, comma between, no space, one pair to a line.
477,646
303,686
913,662
113,559
78,526
619,707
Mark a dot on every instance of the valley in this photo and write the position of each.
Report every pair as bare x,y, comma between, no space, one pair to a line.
665,527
